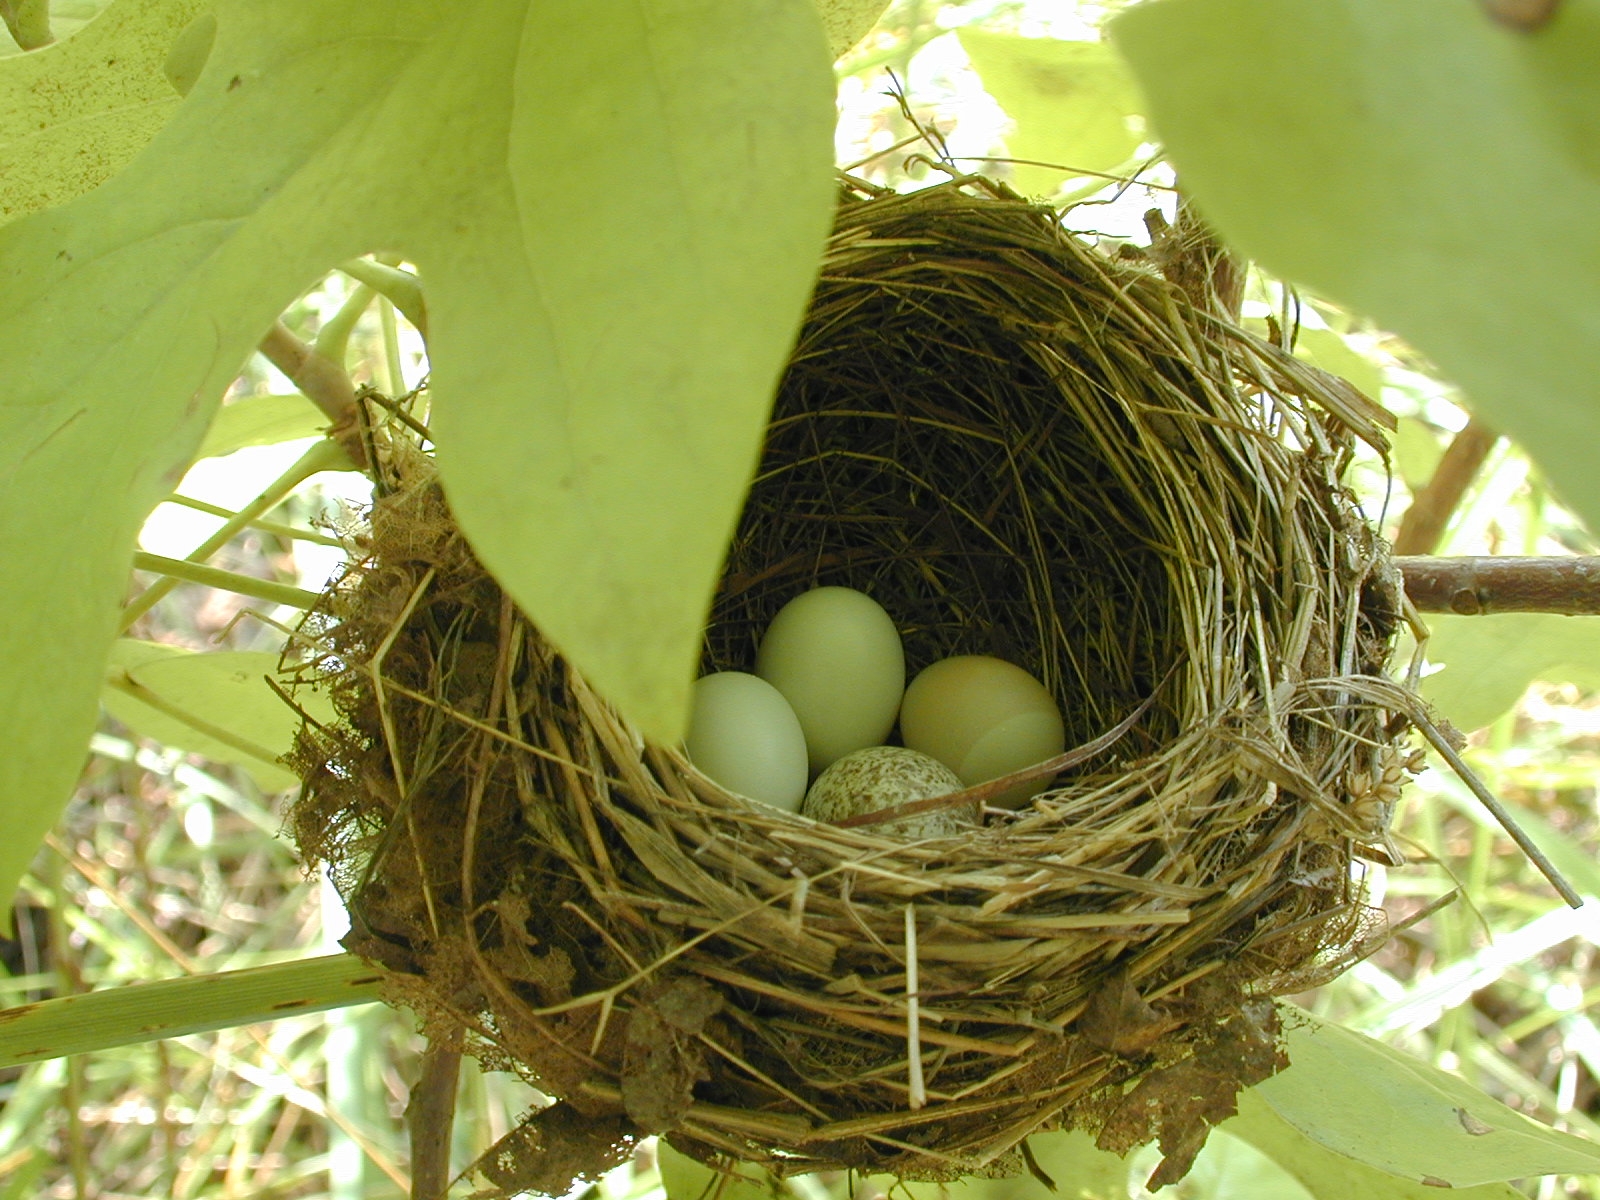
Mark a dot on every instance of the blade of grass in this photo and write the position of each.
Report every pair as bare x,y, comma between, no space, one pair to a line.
144,1012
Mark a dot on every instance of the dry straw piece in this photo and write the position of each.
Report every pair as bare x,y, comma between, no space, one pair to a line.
1020,447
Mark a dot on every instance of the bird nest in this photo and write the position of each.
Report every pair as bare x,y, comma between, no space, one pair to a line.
1021,448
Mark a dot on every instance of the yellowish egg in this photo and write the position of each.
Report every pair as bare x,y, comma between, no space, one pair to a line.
836,656
881,777
744,735
983,717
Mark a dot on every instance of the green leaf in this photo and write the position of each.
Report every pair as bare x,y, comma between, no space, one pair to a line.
1387,1110
683,1178
261,421
145,1012
1071,101
1487,663
1416,452
75,113
1328,1175
846,22
1328,350
216,704
1080,1170
1417,162
603,362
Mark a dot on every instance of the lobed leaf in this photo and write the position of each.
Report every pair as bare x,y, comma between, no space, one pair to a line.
604,357
1417,162
1073,103
74,113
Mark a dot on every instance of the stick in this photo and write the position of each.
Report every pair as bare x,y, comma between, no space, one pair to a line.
1487,798
919,1090
1477,586
429,1115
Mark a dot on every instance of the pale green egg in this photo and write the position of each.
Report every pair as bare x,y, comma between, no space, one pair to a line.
983,717
835,654
744,735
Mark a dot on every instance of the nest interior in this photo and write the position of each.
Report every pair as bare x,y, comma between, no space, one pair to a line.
1019,447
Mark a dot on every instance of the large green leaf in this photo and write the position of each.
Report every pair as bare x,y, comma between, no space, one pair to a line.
1399,1115
1071,101
1487,663
1327,1174
216,704
1417,162
75,113
261,421
618,209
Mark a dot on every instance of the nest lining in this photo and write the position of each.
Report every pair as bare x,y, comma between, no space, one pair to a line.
1020,448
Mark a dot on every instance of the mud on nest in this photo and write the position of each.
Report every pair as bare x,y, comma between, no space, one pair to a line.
1021,448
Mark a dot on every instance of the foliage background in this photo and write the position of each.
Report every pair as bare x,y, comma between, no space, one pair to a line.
168,861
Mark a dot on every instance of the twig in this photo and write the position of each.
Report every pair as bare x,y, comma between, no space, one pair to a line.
430,1114
1480,585
1432,507
918,1088
324,382
1439,742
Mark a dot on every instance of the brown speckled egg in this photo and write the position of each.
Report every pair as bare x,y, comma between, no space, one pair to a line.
881,777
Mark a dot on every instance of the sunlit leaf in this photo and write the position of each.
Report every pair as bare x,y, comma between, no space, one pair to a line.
1381,1107
186,699
1071,100
1328,1175
682,1178
261,421
618,210
75,113
1416,452
846,22
1488,662
1414,161
1332,353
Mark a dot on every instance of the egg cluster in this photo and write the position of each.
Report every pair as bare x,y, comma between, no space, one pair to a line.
828,687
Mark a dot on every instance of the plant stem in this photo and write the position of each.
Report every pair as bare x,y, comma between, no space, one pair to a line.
1480,585
245,585
323,456
324,382
145,1012
430,1115
28,21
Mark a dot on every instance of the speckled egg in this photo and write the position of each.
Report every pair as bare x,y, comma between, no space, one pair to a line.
881,777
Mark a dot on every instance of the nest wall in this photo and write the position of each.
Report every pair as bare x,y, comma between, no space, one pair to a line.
1021,448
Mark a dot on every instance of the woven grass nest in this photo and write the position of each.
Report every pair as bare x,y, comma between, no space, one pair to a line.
1021,447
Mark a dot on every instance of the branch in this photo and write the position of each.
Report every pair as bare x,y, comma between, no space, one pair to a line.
430,1114
324,382
1481,585
1431,508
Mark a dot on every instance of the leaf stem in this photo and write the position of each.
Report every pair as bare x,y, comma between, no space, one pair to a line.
323,456
245,585
28,21
324,382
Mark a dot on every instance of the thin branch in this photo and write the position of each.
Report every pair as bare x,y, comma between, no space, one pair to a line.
430,1115
324,382
1477,586
1423,526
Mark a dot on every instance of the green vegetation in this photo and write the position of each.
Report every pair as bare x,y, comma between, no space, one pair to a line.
543,168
